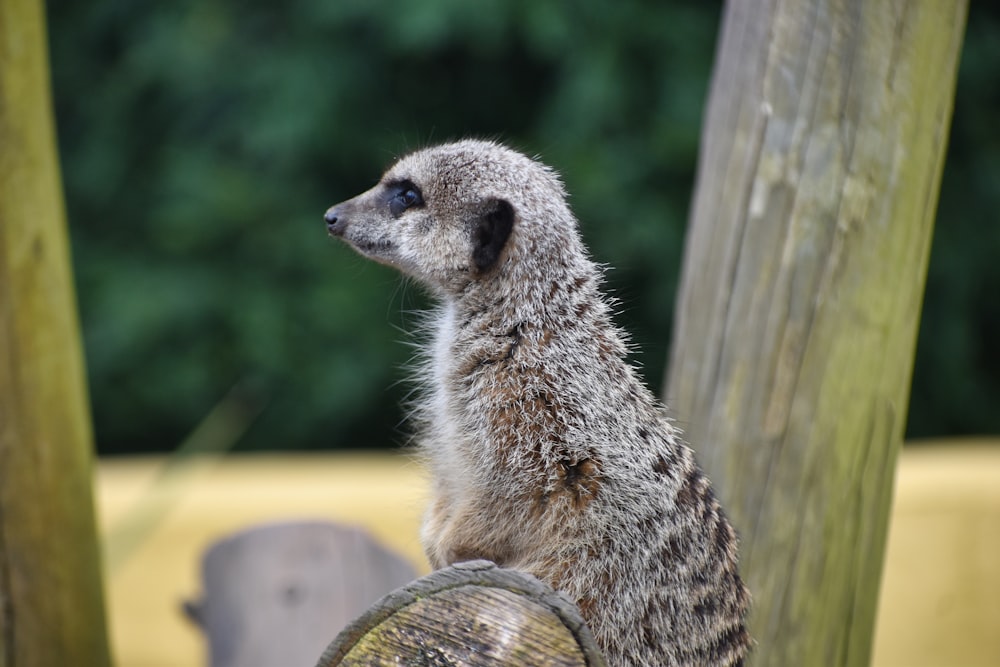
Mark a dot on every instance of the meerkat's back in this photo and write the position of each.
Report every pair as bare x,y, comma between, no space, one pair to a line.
547,453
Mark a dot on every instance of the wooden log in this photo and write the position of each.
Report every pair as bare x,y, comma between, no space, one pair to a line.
51,597
275,594
473,614
803,277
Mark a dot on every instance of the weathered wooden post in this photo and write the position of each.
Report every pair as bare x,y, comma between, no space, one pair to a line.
803,276
51,601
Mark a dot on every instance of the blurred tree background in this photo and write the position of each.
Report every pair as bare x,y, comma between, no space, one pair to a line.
202,140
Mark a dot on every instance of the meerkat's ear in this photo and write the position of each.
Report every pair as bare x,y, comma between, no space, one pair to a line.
490,232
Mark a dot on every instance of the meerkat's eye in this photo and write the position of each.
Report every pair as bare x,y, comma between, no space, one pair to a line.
409,198
402,196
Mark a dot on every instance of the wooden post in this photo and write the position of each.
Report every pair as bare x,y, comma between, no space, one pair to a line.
275,594
471,613
51,601
803,276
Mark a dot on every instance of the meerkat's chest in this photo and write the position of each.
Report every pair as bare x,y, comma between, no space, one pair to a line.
444,422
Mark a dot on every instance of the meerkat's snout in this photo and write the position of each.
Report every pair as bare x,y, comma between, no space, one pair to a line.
335,225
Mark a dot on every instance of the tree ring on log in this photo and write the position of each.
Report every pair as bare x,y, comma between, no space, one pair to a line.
471,613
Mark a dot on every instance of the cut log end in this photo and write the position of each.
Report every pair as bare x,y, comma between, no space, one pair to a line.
473,614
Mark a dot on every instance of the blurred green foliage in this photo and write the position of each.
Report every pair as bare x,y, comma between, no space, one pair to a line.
202,140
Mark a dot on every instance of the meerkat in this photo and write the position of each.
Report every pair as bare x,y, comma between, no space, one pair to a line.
546,451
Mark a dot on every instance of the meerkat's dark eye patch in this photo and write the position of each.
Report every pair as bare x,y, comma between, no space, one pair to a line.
490,231
402,195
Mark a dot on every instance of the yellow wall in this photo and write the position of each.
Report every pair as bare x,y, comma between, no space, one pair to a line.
940,601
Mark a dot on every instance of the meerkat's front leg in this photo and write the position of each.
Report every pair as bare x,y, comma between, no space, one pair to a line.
454,533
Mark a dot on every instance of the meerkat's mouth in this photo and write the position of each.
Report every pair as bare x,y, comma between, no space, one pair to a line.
373,247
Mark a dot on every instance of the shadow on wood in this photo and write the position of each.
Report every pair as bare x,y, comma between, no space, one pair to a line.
274,594
473,614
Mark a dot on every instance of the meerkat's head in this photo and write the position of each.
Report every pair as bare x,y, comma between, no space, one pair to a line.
459,213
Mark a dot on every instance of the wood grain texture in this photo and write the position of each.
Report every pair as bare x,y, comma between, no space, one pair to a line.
801,289
51,602
469,614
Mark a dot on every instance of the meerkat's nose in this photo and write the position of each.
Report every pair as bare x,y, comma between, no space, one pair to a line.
332,218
